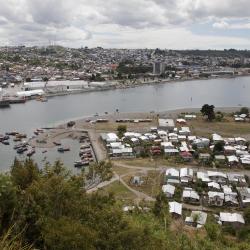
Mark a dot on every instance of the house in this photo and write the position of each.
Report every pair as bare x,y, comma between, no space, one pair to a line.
220,158
215,198
191,138
196,219
186,175
166,124
170,152
172,176
168,190
237,179
175,209
203,176
201,143
162,134
213,186
229,150
167,145
217,138
186,156
181,121
190,117
245,160
233,219
190,196
184,131
240,141
244,195
137,180
217,176
230,196
204,157
110,137
173,137
232,160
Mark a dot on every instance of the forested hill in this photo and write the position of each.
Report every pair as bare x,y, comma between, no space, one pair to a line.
48,209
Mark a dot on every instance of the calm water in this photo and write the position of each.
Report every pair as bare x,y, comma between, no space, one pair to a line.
27,117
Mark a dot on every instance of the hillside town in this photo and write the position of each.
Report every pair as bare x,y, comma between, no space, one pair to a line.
127,66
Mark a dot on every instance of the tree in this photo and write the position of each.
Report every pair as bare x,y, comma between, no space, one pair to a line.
8,201
161,208
213,230
23,174
65,233
244,110
247,215
121,129
219,147
208,111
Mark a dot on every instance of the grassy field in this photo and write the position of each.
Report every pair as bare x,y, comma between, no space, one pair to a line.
120,191
151,185
228,127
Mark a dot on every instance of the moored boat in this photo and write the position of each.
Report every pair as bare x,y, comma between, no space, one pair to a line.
63,149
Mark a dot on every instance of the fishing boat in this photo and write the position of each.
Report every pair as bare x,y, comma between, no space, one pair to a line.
5,142
4,103
22,150
63,149
16,100
57,143
31,152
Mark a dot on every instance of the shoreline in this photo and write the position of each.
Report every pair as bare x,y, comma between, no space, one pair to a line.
119,85
140,115
116,85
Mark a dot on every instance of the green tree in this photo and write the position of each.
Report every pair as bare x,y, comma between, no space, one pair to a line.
121,129
219,147
161,208
208,111
244,110
66,233
8,201
213,231
23,174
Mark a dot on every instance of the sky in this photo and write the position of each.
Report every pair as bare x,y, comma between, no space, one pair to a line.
170,24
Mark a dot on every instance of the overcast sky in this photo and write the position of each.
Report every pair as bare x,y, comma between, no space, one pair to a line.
176,24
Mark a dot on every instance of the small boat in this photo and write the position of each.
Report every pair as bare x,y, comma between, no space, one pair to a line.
17,139
57,143
4,103
63,149
5,142
31,152
82,163
12,133
21,145
44,151
19,135
85,146
17,100
22,150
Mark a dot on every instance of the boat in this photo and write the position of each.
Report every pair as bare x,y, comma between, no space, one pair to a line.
5,142
12,133
22,150
57,143
31,152
79,164
4,103
63,149
21,145
17,100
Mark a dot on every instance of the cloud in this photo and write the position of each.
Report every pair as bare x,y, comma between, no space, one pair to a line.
221,25
75,22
